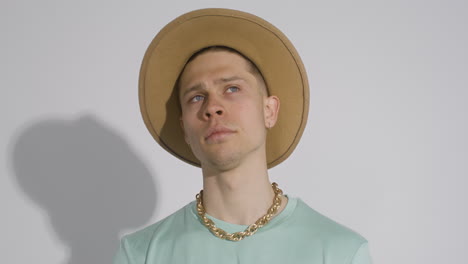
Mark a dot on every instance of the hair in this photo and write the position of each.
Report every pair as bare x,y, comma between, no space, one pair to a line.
252,67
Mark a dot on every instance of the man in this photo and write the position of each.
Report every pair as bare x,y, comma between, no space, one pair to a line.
210,90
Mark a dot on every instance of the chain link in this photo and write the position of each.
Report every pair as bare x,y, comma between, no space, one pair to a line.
251,229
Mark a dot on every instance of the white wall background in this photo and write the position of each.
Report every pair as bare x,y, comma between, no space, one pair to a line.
384,152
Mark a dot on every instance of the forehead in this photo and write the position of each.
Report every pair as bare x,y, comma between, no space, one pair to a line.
213,64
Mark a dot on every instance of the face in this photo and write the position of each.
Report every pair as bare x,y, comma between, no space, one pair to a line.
224,110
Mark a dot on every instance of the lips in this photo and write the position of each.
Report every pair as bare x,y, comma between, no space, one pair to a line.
217,132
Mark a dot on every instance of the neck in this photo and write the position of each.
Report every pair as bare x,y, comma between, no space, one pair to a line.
240,195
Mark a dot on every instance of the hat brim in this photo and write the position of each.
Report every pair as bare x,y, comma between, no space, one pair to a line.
255,38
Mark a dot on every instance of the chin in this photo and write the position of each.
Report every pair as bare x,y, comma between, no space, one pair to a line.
225,158
223,162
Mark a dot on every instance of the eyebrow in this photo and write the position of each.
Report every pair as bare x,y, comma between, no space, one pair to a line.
200,86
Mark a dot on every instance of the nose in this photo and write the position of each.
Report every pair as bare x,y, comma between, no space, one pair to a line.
213,108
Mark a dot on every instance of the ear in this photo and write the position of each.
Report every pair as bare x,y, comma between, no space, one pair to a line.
181,122
271,110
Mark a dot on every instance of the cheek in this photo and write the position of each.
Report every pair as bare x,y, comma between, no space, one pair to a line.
193,128
251,114
187,125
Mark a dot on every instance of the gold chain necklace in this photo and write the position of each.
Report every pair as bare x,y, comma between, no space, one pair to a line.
250,230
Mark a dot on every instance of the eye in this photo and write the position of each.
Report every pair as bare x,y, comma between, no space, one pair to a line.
197,98
232,89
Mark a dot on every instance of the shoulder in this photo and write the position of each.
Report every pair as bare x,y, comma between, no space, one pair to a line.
335,238
139,241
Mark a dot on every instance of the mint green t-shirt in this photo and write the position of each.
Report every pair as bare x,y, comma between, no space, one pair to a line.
297,235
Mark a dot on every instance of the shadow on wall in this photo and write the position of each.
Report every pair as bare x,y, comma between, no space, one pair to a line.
88,179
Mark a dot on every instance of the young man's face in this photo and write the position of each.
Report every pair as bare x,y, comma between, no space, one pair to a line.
225,110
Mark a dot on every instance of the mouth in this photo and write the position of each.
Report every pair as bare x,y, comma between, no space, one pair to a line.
217,134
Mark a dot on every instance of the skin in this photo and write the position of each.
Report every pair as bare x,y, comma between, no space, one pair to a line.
217,90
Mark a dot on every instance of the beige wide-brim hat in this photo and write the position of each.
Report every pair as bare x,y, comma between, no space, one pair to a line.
257,39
